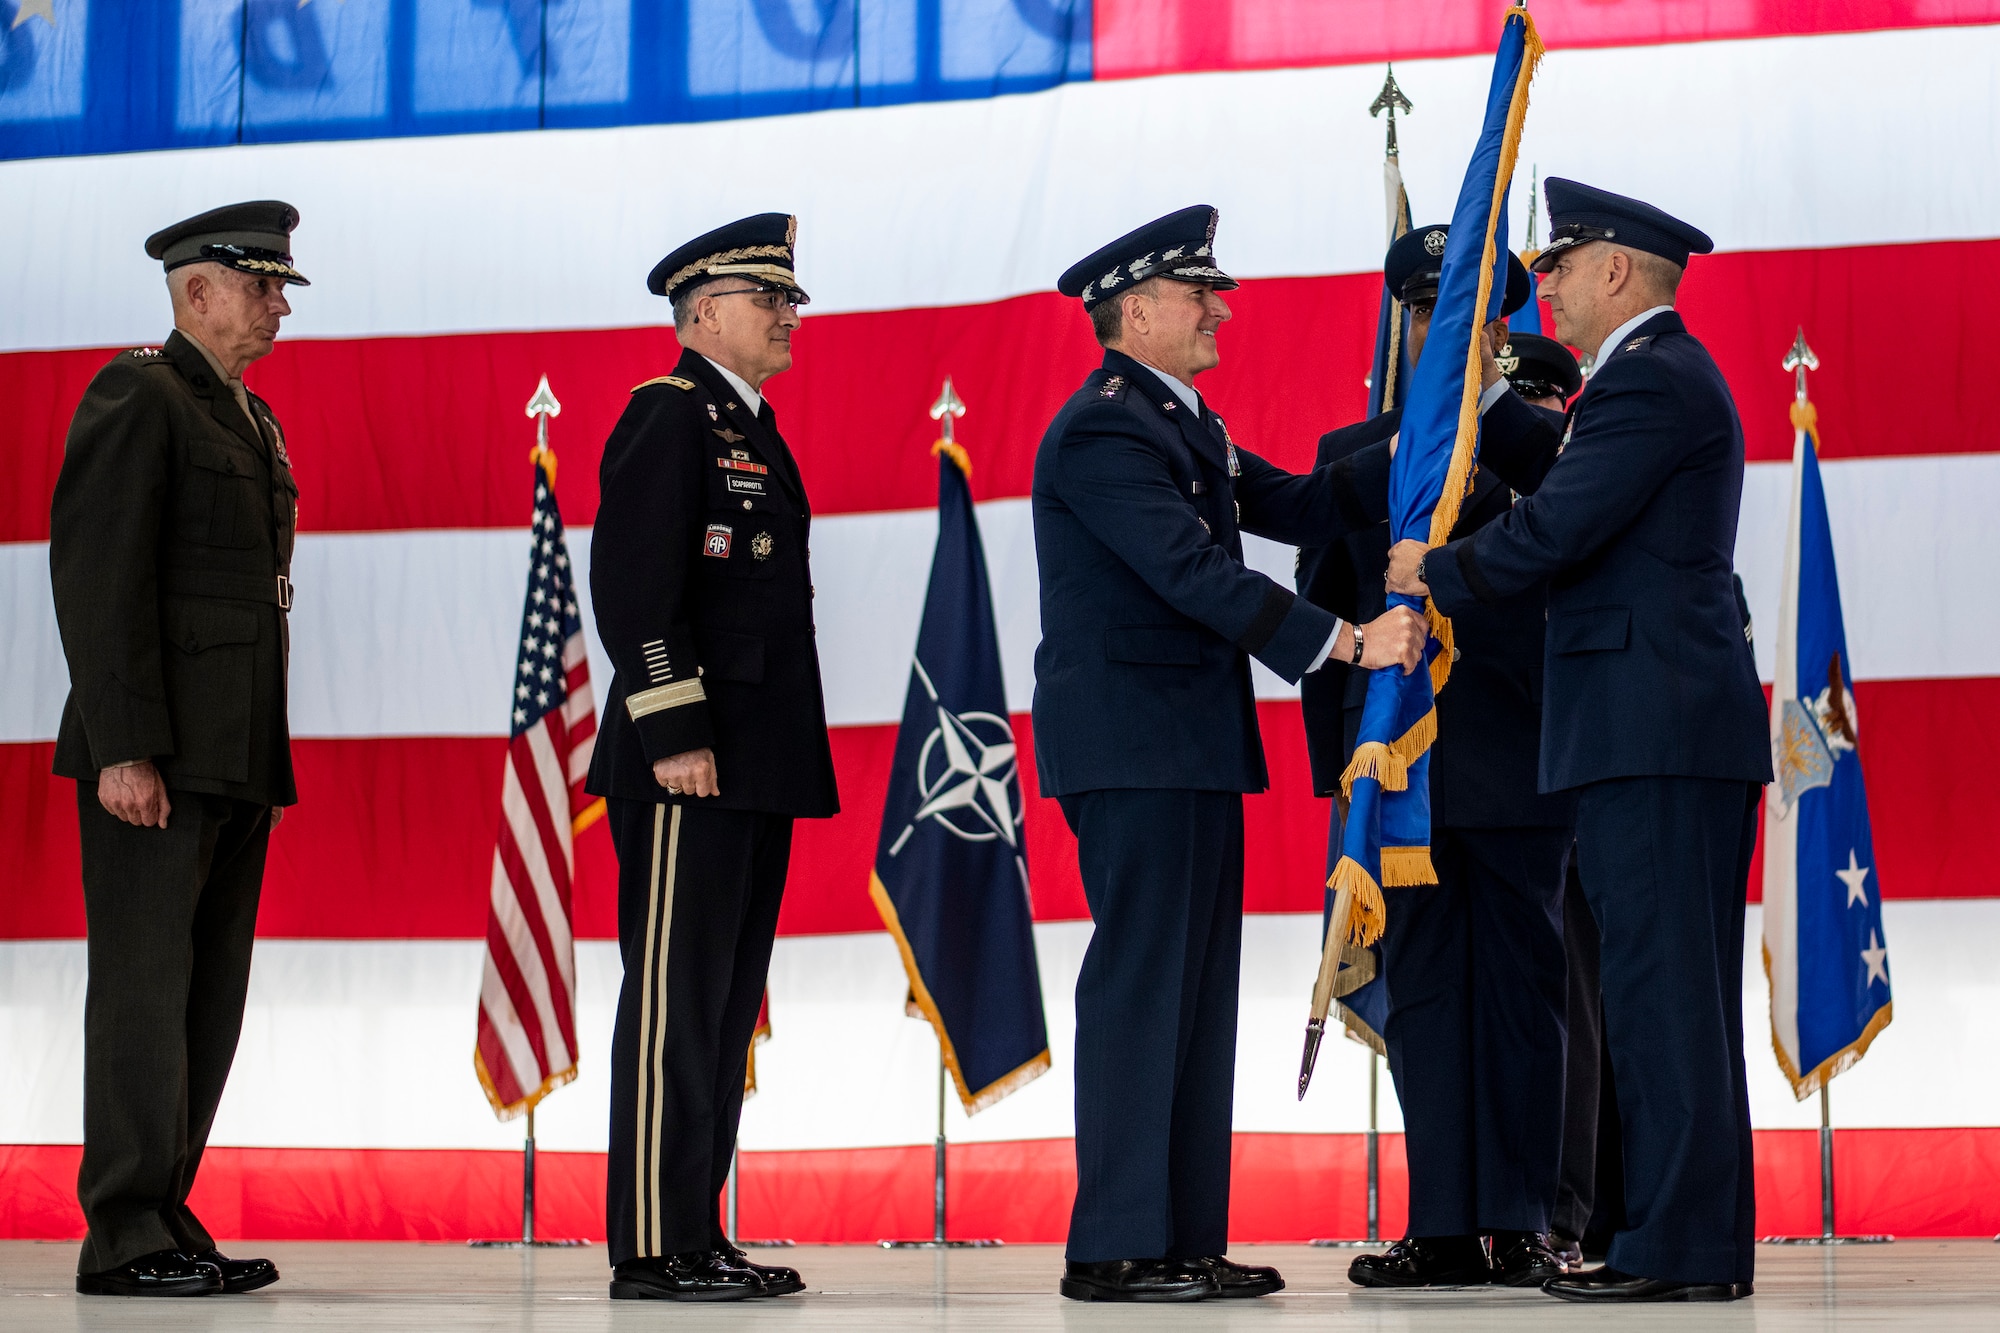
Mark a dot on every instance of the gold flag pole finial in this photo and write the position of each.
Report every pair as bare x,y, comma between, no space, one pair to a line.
541,407
948,408
1391,99
1799,360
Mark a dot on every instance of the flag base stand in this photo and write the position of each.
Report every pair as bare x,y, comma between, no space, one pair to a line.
937,1240
527,1240
1826,1234
729,1197
1374,1168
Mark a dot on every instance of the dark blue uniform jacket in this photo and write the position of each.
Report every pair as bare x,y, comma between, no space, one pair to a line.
1149,617
1631,518
1484,763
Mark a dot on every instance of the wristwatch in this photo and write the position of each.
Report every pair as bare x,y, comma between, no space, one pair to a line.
1420,569
1356,659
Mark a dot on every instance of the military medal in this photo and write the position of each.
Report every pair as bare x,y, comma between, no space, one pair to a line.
760,546
717,541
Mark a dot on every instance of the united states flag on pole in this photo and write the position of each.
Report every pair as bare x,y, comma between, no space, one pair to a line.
527,998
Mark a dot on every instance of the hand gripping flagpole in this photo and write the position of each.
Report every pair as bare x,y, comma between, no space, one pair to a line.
1800,360
541,407
948,408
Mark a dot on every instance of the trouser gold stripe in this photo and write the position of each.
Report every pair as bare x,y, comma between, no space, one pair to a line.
642,1083
665,901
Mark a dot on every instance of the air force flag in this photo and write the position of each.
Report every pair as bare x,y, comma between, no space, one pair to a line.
951,869
1823,944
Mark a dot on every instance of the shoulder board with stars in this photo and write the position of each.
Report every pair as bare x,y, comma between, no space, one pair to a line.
1114,389
1638,342
145,353
684,385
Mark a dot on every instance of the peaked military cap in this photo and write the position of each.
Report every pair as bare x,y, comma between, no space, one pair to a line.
1414,263
758,249
1579,214
254,237
1539,367
1180,246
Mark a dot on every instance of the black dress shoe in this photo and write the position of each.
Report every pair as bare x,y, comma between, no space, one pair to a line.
1525,1259
1567,1249
161,1273
1424,1261
1239,1280
777,1280
1138,1280
240,1275
698,1275
1608,1284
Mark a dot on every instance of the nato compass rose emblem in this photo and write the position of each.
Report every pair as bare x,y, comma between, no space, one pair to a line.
967,777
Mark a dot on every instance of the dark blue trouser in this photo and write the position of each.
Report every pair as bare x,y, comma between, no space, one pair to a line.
1665,863
1477,984
1156,1021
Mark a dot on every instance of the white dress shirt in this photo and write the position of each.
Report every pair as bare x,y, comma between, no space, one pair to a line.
751,398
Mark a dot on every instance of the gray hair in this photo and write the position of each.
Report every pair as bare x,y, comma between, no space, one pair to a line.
1657,272
684,303
1107,317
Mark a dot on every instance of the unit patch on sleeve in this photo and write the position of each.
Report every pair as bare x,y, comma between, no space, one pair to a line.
717,541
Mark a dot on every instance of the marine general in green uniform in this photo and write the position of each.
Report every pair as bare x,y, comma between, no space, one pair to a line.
170,549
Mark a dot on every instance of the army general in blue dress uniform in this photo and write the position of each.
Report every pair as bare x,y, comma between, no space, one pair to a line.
1653,717
1146,731
1473,965
714,742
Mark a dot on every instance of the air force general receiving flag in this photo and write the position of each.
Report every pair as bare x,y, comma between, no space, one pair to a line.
1823,945
951,870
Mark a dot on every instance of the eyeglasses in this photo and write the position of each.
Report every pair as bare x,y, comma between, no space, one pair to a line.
771,300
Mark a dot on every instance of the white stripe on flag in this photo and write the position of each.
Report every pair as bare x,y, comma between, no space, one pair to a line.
513,921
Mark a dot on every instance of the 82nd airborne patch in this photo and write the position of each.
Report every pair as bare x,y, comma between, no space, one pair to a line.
716,543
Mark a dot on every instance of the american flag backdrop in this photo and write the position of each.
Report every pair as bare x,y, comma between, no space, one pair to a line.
484,188
527,995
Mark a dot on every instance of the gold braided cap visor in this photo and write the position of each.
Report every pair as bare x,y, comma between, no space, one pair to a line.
730,262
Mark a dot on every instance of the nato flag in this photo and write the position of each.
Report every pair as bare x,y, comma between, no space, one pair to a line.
951,869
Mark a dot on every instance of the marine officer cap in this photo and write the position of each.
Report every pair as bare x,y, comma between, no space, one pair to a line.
1539,367
1414,263
254,237
757,249
1180,246
1579,214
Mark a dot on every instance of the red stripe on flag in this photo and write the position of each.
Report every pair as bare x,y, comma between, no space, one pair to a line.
1131,38
393,837
392,433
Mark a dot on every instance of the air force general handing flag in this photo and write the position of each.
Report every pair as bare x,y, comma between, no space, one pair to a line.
1823,946
951,870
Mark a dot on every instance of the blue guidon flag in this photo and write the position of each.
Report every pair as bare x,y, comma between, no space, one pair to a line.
1386,839
951,866
1824,950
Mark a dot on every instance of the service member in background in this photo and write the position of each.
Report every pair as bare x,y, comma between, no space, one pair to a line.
1654,717
1146,730
170,550
714,741
1473,964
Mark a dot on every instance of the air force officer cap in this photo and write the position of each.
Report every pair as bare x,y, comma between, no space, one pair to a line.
1180,246
1579,214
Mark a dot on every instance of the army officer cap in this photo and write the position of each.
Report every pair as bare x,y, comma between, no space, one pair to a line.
1579,214
758,249
1180,246
1539,367
254,237
1415,262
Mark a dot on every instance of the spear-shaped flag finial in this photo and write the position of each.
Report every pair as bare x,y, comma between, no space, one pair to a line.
1390,99
1801,359
541,407
948,408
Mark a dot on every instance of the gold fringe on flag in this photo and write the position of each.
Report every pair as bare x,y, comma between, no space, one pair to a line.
1406,867
1440,628
958,455
1389,763
1458,478
1369,913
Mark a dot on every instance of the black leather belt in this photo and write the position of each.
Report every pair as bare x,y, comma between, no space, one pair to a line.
275,590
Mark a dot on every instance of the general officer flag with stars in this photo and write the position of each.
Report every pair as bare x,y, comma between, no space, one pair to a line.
951,869
1824,950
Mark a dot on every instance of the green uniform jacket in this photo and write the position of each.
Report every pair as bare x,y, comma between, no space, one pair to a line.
170,549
